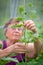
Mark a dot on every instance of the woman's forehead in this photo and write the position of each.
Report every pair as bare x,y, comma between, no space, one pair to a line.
15,23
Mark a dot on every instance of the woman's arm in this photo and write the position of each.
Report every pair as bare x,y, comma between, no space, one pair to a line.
0,42
16,48
37,46
6,51
34,49
31,50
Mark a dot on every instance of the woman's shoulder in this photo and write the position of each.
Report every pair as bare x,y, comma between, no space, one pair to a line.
0,41
3,43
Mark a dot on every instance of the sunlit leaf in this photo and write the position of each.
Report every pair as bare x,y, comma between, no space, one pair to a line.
21,9
17,26
19,19
30,4
33,15
10,59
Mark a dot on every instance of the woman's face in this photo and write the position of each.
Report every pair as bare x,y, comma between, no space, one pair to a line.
14,33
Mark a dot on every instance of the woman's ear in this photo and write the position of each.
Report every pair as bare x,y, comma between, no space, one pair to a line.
6,33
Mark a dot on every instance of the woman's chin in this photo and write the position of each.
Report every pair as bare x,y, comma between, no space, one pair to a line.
15,38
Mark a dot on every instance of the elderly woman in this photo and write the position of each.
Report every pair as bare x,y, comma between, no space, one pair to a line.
12,44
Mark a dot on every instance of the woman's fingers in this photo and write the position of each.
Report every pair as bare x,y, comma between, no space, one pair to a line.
20,48
21,45
29,24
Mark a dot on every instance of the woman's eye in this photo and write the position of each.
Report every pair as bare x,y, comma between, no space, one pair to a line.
13,28
19,28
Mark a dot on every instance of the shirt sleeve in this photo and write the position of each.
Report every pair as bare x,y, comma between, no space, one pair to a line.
4,44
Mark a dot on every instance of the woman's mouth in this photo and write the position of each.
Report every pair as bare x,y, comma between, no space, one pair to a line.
15,34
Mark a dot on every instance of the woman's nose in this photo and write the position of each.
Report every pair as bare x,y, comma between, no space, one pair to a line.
16,29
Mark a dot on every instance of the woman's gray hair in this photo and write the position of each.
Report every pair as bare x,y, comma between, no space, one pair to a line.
7,24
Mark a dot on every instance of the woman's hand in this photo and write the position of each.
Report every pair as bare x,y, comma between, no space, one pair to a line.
29,24
20,48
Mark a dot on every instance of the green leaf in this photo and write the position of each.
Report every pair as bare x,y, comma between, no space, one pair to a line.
0,46
22,63
17,26
30,4
10,59
21,9
36,35
33,62
20,19
33,15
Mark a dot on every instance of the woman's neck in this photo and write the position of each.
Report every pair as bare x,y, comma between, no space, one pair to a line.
10,42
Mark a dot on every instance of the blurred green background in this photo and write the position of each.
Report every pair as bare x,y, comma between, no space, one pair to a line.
9,9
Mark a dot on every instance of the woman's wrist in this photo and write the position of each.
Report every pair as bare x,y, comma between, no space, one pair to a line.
11,48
